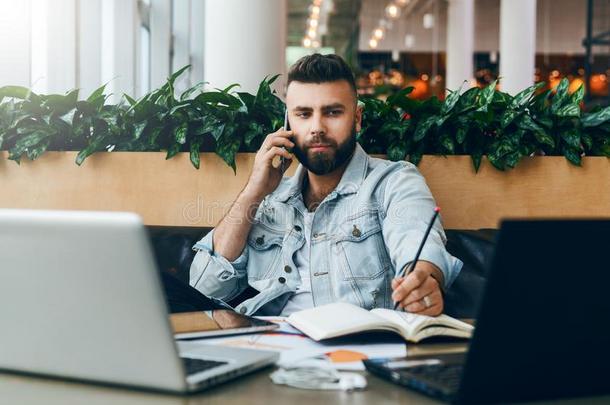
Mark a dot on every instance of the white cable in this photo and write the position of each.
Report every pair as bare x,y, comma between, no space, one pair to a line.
317,378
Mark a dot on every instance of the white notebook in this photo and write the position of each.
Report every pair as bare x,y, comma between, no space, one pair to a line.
339,319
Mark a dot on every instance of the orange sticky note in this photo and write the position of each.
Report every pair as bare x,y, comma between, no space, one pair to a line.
345,356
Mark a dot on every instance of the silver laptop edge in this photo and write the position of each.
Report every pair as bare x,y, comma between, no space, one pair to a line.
81,298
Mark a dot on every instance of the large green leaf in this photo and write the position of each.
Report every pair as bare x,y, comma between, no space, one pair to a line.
60,105
450,101
227,149
397,152
573,155
172,79
423,127
597,118
578,95
467,101
194,154
524,97
217,97
97,94
568,110
397,99
572,138
14,92
561,95
486,96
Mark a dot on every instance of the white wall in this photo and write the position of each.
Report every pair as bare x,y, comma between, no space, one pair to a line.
15,42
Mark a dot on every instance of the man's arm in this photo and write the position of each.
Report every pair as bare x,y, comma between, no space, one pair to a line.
408,205
219,268
232,232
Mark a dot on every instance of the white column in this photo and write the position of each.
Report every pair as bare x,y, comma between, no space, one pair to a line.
118,47
160,39
181,23
53,46
460,43
517,44
244,41
89,43
197,40
15,28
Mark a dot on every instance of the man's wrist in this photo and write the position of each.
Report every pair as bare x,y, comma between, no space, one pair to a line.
251,195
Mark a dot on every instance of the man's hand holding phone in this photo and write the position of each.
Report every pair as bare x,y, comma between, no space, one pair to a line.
266,175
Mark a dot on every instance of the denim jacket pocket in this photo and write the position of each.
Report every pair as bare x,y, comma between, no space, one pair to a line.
265,244
360,247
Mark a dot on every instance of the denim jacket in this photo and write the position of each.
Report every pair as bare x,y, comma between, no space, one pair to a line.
362,233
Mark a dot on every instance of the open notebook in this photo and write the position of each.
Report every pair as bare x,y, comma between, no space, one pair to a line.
339,319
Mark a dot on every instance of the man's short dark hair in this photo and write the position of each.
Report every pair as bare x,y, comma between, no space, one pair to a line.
318,68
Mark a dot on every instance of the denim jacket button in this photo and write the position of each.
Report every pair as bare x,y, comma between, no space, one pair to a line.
287,269
297,228
282,280
260,240
356,232
243,310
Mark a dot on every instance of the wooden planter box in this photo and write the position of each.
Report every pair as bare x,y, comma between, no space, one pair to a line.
174,193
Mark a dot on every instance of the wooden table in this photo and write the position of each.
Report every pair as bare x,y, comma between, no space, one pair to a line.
253,389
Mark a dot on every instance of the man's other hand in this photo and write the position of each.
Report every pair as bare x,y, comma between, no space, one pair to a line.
420,292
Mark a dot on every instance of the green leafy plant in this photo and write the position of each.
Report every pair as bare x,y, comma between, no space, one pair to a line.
477,122
486,122
220,120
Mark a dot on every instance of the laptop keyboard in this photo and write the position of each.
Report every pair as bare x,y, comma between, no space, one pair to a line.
446,376
437,380
194,366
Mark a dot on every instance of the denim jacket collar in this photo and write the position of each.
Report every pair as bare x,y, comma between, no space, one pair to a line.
351,180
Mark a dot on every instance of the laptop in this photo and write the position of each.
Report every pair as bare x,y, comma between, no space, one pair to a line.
80,299
543,329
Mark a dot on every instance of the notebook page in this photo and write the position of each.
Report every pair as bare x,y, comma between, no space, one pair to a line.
335,320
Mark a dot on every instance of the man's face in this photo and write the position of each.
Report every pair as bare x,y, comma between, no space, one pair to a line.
324,119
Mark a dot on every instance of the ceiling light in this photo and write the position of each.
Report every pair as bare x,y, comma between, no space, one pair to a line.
312,33
307,42
378,33
409,41
373,43
392,11
402,3
428,21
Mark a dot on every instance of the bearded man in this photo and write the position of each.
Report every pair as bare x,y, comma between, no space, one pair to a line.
340,229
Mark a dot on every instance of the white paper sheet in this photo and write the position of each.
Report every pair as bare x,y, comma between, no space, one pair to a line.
294,349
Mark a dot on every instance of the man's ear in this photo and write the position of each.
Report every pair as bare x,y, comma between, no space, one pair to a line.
359,110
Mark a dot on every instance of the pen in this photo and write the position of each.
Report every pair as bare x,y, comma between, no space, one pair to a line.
421,246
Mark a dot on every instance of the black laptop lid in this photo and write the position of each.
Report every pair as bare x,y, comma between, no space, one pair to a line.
543,329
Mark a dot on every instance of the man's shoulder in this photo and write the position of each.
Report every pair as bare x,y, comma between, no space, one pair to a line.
383,168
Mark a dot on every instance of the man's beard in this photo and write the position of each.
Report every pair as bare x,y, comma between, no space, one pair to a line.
321,163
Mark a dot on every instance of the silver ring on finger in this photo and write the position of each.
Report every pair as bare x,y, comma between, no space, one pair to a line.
427,301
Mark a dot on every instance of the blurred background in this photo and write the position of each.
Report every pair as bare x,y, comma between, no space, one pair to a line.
53,46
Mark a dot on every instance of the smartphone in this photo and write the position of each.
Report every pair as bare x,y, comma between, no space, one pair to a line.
283,164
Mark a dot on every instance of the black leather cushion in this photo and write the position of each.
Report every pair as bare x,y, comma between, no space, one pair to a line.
174,254
474,249
173,249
